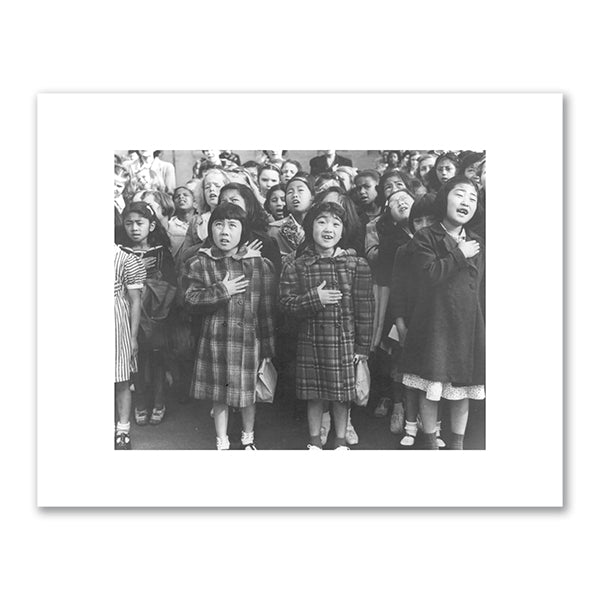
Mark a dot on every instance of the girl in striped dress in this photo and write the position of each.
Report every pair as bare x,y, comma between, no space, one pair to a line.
130,275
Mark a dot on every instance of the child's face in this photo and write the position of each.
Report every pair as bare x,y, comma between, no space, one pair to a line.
119,187
138,227
212,184
393,158
366,188
288,171
212,155
226,234
462,203
298,197
482,175
277,204
183,200
144,179
327,231
414,162
267,179
425,166
472,172
234,197
445,170
400,204
421,222
393,184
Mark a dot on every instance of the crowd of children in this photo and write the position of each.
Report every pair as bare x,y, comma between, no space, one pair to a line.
311,274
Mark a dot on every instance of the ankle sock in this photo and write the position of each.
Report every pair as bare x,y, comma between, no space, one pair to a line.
223,443
247,437
123,427
410,428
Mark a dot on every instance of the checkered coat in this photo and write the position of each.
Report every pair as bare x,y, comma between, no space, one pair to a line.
328,336
237,331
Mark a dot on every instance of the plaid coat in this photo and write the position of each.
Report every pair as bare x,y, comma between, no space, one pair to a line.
328,336
237,332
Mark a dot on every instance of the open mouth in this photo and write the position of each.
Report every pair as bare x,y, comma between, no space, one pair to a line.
462,211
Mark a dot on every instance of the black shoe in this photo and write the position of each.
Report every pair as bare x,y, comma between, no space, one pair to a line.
249,446
122,441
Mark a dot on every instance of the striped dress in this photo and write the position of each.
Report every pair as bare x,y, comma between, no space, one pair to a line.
129,274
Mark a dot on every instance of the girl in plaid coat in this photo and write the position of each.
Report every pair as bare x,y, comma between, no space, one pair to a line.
329,290
233,288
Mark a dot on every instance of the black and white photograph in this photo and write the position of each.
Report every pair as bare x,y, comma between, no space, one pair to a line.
294,299
296,303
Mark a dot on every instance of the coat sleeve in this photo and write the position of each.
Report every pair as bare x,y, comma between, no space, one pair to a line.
291,298
364,307
431,267
402,287
201,295
266,310
372,242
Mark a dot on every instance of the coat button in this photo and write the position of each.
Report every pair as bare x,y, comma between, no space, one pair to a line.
240,301
224,323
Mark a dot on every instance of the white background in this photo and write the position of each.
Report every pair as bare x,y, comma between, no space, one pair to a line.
459,46
519,305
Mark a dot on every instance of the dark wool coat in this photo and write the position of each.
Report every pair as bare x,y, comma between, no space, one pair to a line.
328,336
446,337
237,331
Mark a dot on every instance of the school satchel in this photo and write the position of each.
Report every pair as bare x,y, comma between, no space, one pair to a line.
157,298
266,381
363,383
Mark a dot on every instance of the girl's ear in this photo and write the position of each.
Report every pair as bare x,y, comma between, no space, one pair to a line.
152,225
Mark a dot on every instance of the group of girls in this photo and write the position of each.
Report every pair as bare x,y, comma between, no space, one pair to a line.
379,265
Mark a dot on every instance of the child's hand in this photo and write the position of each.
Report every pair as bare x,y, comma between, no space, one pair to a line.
134,346
328,296
469,249
359,357
402,330
149,262
255,245
235,286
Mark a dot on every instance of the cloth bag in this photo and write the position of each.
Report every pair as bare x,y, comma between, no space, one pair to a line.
266,381
363,383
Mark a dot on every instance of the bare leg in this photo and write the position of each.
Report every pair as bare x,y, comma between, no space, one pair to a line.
123,398
315,416
248,416
459,415
340,419
428,410
221,417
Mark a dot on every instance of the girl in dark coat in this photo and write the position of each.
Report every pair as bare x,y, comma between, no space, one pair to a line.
330,290
444,351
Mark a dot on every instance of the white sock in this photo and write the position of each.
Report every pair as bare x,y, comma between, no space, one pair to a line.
223,443
438,428
410,428
123,427
247,437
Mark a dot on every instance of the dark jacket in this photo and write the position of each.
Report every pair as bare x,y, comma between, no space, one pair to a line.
318,164
446,337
